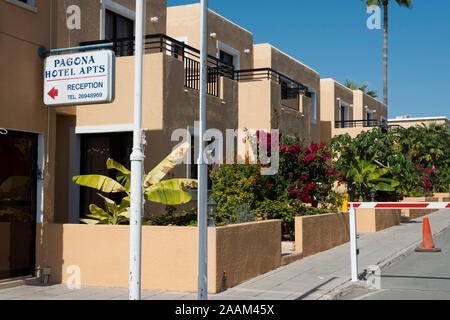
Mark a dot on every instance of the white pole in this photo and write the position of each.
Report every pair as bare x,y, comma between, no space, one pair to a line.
137,162
353,244
202,166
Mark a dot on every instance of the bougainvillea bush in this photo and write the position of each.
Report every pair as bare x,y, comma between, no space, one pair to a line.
304,180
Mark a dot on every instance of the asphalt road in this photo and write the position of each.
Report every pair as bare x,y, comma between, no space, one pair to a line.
419,276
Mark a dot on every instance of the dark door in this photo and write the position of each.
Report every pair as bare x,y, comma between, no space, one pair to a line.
18,155
95,151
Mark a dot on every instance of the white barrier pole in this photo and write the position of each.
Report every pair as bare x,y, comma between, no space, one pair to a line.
353,244
137,163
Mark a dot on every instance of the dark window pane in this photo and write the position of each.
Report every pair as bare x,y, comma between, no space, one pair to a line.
117,26
226,57
95,151
124,27
109,25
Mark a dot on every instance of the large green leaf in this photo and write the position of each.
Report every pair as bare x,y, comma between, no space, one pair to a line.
166,195
110,205
377,174
113,164
15,185
175,184
97,211
99,182
173,159
124,174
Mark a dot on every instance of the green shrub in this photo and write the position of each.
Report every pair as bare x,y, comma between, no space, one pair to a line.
170,218
286,211
235,185
243,214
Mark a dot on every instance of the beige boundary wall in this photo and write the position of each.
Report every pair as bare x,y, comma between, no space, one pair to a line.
411,214
371,220
236,253
314,234
442,197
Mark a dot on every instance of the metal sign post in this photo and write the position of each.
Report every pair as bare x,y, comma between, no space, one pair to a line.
137,162
202,166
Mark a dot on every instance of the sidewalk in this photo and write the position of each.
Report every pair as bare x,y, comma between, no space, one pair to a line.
316,277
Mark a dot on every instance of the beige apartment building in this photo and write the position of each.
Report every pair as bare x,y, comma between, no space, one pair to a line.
274,89
407,121
348,111
253,86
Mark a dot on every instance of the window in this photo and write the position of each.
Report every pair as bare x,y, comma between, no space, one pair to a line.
226,57
289,94
369,118
344,114
27,4
229,55
95,150
117,26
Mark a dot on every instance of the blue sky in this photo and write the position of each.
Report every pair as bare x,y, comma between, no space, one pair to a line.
332,38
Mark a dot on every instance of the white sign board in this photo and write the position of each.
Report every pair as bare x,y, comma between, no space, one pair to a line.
80,78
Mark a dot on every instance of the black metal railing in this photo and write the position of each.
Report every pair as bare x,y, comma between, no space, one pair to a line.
190,56
290,88
357,123
368,123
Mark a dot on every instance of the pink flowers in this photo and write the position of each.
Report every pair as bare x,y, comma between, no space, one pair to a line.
426,176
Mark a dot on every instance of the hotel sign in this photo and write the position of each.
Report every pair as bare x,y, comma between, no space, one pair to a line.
80,78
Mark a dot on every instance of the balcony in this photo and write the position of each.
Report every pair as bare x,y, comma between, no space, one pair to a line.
290,89
368,123
356,123
161,43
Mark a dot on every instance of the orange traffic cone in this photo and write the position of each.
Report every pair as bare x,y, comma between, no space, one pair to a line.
427,243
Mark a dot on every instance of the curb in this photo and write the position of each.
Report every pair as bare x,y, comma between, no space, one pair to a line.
341,290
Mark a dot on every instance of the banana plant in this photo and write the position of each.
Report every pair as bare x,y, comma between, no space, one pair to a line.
366,175
169,192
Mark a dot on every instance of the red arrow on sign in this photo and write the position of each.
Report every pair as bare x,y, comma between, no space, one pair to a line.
53,93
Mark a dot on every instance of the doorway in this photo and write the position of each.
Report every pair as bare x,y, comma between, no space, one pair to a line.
18,173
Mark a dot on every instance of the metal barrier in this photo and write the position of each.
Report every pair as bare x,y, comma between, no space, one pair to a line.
380,205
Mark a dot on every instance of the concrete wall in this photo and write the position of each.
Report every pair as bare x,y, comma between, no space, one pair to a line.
169,254
406,123
330,92
371,220
257,107
318,233
411,214
22,32
91,19
360,100
184,21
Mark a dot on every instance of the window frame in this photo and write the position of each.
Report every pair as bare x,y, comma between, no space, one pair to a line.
28,5
118,9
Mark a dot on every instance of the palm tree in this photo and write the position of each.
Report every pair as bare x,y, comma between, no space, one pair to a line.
354,86
385,5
